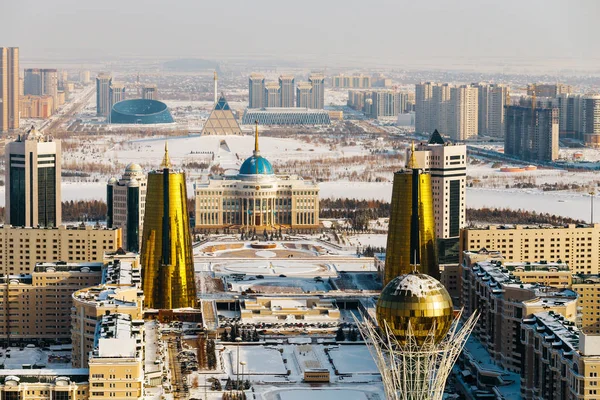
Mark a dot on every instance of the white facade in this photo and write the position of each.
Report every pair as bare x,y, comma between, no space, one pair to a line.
463,120
447,164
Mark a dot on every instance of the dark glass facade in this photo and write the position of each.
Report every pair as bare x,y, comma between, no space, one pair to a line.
46,190
109,206
17,190
133,219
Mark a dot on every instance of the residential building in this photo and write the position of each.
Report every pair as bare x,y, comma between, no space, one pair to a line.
317,91
503,303
357,81
424,113
576,245
166,256
42,81
32,181
440,108
116,93
531,135
84,77
9,88
22,248
103,104
303,95
36,306
256,91
463,112
256,198
36,106
387,103
587,287
286,91
44,384
411,242
549,90
590,120
126,200
272,94
492,98
117,361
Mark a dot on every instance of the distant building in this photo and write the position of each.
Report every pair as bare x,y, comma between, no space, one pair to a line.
303,95
116,93
42,81
36,106
286,90
358,81
286,116
221,120
387,103
531,136
492,98
272,94
126,200
462,121
84,76
549,90
317,82
149,92
256,91
32,181
103,81
9,88
140,111
424,110
590,120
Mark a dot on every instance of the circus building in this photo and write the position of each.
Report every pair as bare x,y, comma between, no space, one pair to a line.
256,198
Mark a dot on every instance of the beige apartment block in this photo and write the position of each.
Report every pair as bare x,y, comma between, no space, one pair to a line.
503,301
22,248
588,289
117,361
577,246
43,385
37,306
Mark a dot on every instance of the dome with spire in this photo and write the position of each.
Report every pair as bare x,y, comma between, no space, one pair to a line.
257,164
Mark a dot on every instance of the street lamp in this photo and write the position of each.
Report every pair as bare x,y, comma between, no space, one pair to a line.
243,365
237,377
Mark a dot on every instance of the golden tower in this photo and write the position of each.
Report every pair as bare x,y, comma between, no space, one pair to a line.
167,261
411,243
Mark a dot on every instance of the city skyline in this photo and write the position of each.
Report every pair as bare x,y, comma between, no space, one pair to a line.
451,35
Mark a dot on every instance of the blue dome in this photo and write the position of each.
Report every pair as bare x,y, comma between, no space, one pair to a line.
256,165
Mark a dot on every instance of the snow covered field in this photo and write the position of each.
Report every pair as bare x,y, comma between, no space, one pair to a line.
322,394
353,359
259,360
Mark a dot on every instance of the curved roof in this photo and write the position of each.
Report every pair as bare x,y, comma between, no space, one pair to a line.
256,165
140,111
133,167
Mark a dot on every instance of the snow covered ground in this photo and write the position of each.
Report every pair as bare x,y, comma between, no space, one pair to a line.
353,359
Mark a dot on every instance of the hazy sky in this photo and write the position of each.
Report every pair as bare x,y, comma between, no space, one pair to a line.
372,32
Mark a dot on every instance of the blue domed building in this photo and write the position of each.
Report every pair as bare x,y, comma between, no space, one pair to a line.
140,111
256,198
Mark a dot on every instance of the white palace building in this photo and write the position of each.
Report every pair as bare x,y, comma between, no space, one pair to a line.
256,198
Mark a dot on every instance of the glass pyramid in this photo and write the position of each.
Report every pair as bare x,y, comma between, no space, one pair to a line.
221,120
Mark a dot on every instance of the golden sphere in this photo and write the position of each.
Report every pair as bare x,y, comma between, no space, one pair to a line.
419,299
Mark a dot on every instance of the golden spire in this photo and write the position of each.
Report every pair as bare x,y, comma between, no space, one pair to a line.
215,77
412,161
256,151
166,162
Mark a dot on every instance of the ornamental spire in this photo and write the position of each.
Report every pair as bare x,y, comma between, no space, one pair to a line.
412,161
256,151
166,162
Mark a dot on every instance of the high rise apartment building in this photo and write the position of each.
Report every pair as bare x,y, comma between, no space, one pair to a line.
531,135
126,199
463,122
579,117
9,88
317,82
36,106
256,91
440,108
272,94
492,98
424,113
358,81
590,120
116,92
149,92
103,104
32,181
549,90
42,81
286,90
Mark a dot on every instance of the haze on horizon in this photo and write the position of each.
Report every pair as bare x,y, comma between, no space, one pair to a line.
551,33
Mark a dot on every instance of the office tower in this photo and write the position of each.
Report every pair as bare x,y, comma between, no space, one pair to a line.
9,88
440,108
149,92
32,181
531,136
167,261
256,91
303,95
103,105
286,87
424,114
272,95
462,122
126,200
590,120
116,93
317,82
84,77
411,243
